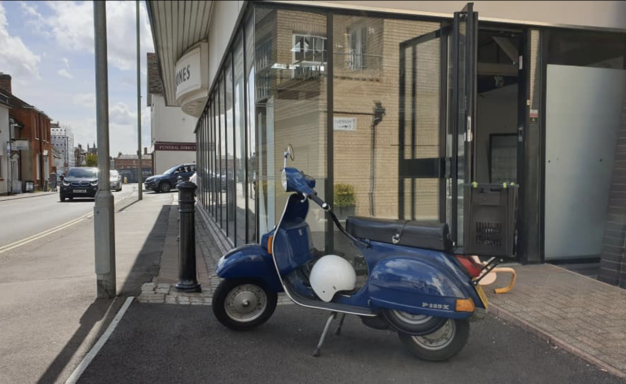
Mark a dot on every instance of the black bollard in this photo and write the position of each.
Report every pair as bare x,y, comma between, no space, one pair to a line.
188,281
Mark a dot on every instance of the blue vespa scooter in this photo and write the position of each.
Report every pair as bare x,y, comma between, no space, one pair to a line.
415,285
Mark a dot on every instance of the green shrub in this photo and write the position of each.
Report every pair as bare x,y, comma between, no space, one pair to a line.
344,196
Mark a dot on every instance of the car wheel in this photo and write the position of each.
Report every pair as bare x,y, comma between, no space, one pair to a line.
165,187
243,304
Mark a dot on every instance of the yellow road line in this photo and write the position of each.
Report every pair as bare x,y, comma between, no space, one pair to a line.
45,233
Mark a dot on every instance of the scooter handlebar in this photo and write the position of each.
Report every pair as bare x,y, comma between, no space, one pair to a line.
319,202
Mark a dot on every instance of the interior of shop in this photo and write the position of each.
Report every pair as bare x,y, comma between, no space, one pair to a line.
497,105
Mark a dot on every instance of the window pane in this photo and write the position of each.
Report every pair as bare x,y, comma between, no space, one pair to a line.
367,63
230,154
221,156
290,107
240,143
251,154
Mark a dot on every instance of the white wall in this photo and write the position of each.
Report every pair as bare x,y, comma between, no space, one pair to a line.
603,14
4,156
170,123
583,111
164,160
223,20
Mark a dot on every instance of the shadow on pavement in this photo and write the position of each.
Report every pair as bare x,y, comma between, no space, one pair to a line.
145,267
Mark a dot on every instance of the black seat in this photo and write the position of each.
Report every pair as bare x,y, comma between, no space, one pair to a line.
435,236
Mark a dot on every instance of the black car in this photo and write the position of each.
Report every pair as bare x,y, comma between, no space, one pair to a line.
169,178
79,182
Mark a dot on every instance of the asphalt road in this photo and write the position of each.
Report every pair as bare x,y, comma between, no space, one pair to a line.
22,218
49,314
161,343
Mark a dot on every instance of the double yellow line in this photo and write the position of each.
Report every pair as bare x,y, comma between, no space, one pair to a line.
45,233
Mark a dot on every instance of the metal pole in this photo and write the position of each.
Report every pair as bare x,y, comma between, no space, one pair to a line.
139,161
187,239
104,223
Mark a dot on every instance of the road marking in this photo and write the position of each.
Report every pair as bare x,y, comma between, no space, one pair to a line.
45,233
50,231
98,346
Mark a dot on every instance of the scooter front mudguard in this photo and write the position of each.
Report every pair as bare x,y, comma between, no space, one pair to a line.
423,285
249,262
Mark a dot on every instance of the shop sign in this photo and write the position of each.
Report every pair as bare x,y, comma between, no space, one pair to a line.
188,73
19,145
344,123
174,146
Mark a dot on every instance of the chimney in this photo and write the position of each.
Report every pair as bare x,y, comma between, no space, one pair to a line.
145,150
5,82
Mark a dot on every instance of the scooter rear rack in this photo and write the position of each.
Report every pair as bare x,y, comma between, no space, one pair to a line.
488,267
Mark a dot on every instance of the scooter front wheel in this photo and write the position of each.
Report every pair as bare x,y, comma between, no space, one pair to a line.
440,345
242,304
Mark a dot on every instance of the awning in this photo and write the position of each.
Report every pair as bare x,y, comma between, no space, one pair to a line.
176,27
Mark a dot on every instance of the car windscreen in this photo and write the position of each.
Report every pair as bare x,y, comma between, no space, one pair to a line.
171,170
83,173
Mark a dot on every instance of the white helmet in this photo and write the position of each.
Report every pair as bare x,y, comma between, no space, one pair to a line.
331,274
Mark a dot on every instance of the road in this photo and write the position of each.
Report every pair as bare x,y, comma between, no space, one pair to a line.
33,215
162,343
48,311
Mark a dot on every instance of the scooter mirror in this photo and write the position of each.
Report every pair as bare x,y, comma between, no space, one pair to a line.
289,153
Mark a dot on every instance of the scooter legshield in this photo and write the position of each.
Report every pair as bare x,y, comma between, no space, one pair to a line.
416,285
249,262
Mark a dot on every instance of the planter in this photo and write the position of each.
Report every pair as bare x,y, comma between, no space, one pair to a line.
344,212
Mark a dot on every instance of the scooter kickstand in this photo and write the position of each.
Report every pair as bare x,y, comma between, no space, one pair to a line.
332,316
338,330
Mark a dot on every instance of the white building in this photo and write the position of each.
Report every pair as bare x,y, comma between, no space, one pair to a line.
173,138
63,141
4,140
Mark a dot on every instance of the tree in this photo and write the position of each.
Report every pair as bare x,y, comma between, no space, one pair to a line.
92,160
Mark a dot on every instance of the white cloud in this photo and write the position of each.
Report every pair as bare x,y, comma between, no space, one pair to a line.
63,72
66,62
15,57
86,100
71,25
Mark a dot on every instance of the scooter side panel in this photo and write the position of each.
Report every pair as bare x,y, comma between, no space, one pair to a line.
249,262
415,285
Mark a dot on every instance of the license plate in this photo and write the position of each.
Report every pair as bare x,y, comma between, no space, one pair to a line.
482,295
80,191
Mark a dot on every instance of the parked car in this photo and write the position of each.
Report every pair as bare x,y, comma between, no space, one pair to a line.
169,178
79,182
193,179
116,181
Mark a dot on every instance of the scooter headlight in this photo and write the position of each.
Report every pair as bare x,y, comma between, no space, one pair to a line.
283,179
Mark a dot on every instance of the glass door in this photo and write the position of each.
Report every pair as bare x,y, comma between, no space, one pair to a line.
437,119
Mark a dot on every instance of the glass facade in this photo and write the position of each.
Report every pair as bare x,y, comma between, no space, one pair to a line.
369,103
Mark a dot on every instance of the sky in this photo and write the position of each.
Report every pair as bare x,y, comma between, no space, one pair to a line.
47,48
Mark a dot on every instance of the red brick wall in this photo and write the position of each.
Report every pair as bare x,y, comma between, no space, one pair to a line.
37,131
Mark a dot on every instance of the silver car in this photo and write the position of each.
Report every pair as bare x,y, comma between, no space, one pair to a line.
116,181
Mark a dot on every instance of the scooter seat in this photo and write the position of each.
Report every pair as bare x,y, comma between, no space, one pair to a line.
435,236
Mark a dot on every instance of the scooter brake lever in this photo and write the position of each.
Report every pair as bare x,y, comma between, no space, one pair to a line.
305,198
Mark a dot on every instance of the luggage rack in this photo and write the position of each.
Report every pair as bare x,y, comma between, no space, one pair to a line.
491,264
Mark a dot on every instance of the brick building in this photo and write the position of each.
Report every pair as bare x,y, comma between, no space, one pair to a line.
126,165
35,162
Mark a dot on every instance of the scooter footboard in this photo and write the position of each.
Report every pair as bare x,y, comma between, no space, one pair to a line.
415,286
249,262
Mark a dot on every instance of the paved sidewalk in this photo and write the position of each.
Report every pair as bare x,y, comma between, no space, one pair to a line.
208,252
26,195
577,313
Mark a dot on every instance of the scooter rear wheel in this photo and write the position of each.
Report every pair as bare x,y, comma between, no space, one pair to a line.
243,304
440,345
